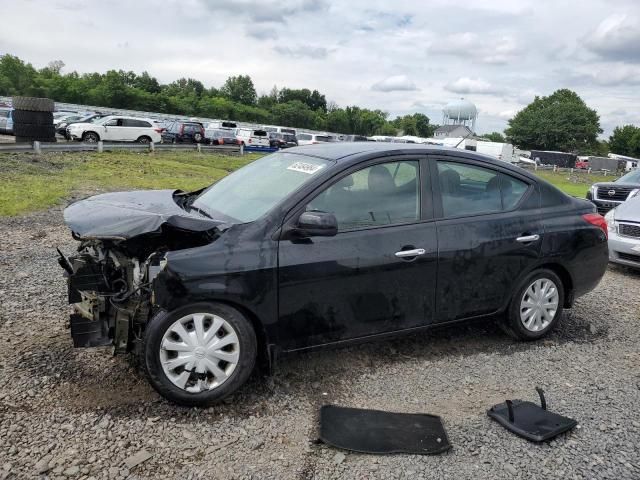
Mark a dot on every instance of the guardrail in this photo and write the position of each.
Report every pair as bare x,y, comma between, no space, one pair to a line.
40,147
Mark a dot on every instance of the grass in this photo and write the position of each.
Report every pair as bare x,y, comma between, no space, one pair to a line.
31,182
34,182
575,184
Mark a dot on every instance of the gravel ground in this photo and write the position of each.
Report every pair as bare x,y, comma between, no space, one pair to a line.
84,414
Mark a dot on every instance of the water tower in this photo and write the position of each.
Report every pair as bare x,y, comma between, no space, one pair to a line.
460,112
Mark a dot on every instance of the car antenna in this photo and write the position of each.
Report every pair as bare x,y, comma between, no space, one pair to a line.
463,139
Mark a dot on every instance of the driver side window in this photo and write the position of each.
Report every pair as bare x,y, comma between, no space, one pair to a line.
383,194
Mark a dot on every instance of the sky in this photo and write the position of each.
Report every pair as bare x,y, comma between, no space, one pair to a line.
401,56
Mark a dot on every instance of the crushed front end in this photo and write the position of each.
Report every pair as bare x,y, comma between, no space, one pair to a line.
123,239
110,294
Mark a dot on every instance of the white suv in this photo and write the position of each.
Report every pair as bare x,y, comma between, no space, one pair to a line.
116,128
253,138
312,138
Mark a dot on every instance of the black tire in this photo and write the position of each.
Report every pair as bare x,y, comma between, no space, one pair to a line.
33,130
36,118
90,137
513,324
36,139
152,366
144,139
33,104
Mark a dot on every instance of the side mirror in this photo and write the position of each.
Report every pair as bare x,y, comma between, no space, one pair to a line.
317,224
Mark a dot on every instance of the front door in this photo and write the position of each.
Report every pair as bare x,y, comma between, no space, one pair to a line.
489,232
377,275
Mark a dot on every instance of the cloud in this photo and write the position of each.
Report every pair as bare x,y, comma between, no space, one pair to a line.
266,11
617,37
471,85
301,51
394,84
490,49
262,33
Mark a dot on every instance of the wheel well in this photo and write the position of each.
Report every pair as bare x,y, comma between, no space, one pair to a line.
567,281
91,131
263,359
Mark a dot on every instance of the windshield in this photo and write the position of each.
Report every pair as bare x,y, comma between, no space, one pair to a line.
631,177
250,192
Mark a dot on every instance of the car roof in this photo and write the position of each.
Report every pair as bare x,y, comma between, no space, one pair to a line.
347,151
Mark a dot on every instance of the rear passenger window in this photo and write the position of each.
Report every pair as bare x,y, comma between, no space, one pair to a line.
469,189
383,194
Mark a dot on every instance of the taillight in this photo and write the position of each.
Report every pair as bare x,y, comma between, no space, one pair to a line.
159,130
597,220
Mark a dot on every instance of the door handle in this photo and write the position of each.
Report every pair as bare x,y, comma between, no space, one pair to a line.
528,238
410,253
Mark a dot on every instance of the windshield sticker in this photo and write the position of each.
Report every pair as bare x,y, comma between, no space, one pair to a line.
303,167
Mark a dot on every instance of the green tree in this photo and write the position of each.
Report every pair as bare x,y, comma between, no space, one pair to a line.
16,77
561,121
622,141
314,100
416,124
495,137
240,89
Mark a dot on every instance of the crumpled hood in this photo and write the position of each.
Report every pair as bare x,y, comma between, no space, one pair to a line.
629,210
124,215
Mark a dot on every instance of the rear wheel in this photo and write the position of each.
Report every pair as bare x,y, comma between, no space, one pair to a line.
144,139
197,137
198,355
536,307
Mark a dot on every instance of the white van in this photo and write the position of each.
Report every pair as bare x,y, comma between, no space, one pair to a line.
253,138
274,128
311,138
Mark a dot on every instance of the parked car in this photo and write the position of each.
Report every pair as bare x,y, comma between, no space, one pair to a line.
115,128
222,137
251,137
61,126
608,195
275,129
323,245
582,164
282,140
184,132
624,233
311,138
355,138
6,121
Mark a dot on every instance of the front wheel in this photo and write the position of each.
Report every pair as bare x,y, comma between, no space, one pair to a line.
199,354
536,307
90,137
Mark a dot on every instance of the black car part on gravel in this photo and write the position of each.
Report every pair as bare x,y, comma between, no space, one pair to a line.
375,431
36,118
529,420
33,104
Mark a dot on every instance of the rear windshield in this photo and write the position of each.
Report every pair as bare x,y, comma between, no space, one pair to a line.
289,138
322,138
288,130
260,133
304,136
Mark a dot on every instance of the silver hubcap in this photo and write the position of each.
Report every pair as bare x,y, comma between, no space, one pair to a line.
199,352
539,305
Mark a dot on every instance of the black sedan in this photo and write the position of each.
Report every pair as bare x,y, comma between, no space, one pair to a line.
323,245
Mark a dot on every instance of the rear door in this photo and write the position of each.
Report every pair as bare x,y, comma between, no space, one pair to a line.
378,274
489,232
